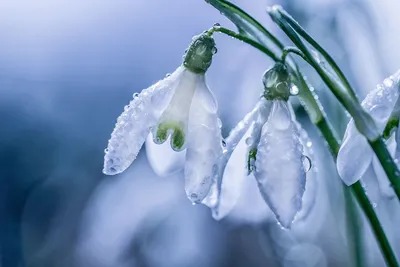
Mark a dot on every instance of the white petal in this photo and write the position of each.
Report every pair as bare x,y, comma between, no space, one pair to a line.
354,156
233,177
241,128
242,138
381,101
279,165
211,199
355,153
311,189
176,115
134,124
204,144
163,159
251,207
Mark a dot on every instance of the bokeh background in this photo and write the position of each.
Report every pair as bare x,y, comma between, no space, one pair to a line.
68,67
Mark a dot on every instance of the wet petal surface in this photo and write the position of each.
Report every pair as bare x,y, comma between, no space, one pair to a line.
204,144
279,165
133,125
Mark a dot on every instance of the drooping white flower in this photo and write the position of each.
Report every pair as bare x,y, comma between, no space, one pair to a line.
179,109
266,143
355,155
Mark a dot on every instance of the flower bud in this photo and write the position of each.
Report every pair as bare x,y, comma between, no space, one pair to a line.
276,82
198,56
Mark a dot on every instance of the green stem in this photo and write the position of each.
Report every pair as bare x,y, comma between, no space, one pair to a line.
330,136
297,27
365,204
244,39
362,199
223,6
388,163
291,49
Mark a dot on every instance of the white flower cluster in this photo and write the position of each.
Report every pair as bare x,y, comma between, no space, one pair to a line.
268,145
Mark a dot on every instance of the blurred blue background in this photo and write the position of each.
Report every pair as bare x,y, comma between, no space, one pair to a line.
67,68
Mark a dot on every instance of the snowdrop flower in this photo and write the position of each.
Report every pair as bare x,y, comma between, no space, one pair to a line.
179,109
355,155
267,144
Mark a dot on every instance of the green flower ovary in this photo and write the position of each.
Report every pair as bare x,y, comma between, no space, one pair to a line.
277,82
177,137
251,159
198,56
390,126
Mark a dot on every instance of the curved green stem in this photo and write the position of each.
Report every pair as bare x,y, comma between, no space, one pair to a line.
248,26
244,39
239,14
389,255
291,49
296,26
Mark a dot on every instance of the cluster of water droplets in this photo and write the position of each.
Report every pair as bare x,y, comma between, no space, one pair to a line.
135,123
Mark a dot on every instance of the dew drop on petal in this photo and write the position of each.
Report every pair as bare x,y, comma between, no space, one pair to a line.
249,140
135,95
388,82
214,50
217,25
168,74
223,143
306,163
294,90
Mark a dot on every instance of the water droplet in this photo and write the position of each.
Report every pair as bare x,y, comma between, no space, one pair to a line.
309,144
388,82
294,90
217,25
374,205
214,50
223,143
106,150
135,95
249,141
306,163
126,107
168,74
